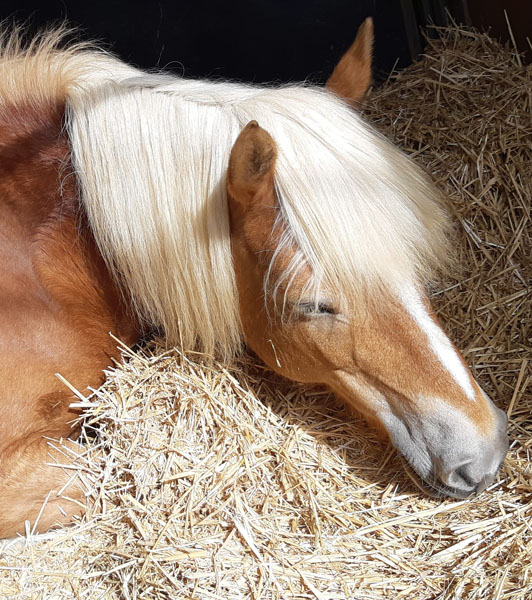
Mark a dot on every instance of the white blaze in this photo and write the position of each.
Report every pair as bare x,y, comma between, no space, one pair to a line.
438,341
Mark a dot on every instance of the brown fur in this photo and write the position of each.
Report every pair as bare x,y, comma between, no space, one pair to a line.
351,77
58,305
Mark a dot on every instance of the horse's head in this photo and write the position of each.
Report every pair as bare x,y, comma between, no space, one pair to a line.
382,350
386,357
331,230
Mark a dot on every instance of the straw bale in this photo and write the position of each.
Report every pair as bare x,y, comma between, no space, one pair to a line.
210,482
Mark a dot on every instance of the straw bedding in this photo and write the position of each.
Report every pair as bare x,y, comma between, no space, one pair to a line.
230,483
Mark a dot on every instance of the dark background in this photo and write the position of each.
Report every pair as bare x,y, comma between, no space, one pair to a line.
259,40
248,40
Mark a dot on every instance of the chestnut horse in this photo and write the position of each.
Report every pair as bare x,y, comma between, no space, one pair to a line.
131,201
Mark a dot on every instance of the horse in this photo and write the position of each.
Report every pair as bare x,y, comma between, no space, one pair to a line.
222,215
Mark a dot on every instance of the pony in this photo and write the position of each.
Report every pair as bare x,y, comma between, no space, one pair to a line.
220,214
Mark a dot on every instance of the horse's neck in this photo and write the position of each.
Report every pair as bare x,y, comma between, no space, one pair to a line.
49,261
30,154
57,305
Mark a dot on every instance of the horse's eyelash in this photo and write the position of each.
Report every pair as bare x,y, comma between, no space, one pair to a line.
316,308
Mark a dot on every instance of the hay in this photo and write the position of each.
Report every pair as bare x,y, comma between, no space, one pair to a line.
209,482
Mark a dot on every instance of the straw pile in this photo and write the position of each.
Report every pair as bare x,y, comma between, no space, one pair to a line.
217,483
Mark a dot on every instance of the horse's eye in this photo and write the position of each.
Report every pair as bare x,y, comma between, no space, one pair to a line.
313,308
325,309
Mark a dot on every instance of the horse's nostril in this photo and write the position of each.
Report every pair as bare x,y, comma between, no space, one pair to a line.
461,474
460,478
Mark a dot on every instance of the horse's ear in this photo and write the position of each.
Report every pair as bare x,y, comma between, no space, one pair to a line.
252,163
351,77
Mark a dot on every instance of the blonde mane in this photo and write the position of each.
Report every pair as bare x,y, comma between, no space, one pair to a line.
151,152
